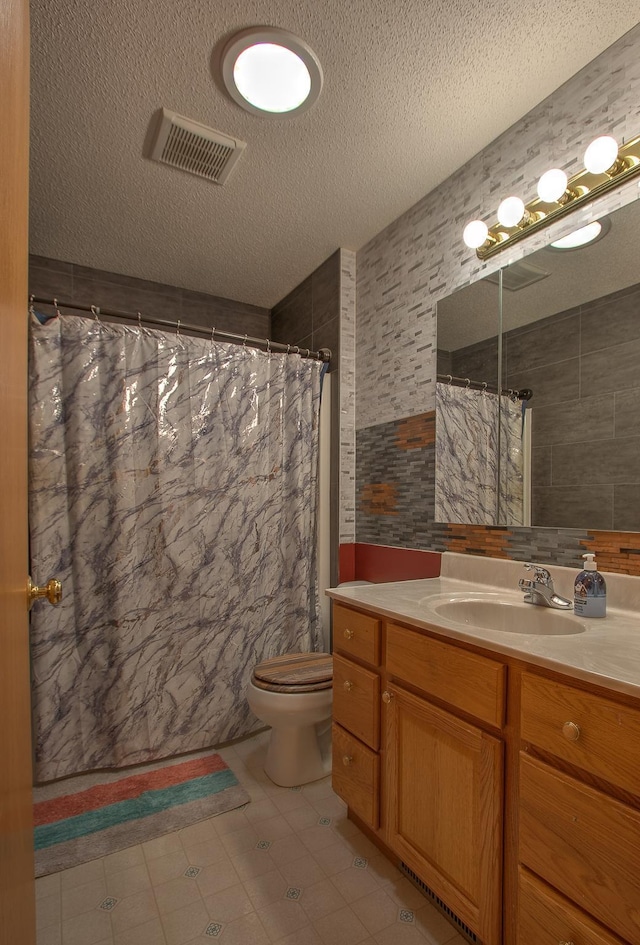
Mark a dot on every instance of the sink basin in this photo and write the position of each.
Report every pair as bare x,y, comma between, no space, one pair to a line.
510,617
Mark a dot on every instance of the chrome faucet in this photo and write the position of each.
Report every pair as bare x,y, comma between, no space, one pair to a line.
541,591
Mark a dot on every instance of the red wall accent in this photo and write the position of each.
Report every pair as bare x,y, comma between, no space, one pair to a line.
382,563
347,563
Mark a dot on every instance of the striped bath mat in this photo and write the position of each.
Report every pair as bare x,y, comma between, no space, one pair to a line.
82,818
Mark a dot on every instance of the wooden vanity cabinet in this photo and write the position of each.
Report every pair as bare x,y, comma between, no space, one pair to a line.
444,773
579,810
356,712
442,778
526,822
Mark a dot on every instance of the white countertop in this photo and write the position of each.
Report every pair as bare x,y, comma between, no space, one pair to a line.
606,651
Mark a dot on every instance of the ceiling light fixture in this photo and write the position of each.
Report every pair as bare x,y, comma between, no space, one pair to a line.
605,166
590,233
271,72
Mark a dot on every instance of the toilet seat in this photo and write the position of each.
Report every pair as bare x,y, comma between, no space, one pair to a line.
295,672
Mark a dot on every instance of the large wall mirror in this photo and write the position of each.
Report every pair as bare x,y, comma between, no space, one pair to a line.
559,446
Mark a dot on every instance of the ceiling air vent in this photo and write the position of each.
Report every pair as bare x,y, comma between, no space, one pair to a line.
518,275
195,148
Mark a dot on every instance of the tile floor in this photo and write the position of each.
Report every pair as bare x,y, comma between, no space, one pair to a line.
287,869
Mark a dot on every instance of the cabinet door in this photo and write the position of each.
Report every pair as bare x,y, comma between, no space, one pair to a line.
443,780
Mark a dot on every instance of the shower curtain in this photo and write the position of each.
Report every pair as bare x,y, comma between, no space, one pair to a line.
467,457
173,490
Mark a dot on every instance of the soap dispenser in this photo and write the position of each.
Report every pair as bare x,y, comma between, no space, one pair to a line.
590,591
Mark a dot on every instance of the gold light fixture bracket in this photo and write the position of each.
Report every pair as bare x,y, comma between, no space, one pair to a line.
582,187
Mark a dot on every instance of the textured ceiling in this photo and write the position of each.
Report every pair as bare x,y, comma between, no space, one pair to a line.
410,94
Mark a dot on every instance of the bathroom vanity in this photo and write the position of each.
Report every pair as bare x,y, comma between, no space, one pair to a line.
496,755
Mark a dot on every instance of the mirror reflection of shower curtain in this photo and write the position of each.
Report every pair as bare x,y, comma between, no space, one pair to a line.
467,457
173,490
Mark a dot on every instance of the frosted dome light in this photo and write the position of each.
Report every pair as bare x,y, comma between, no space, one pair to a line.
586,234
510,211
271,72
272,78
601,154
475,234
552,185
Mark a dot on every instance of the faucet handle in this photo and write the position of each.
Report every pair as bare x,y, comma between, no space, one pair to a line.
540,574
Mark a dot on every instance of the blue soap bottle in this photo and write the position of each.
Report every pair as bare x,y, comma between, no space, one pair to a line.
590,591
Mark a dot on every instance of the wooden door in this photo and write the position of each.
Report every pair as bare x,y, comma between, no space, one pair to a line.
443,781
17,907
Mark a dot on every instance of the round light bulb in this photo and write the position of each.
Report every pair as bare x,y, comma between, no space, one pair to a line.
272,77
552,185
475,234
601,154
510,211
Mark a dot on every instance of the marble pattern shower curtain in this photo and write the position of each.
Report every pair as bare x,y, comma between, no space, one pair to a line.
467,457
173,490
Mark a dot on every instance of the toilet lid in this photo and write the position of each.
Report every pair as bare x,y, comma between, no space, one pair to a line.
295,672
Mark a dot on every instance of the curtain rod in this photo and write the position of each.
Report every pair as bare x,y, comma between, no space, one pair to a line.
324,354
524,393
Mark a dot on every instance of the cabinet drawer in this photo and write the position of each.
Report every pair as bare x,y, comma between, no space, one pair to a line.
356,775
584,843
546,918
472,683
356,700
356,634
592,732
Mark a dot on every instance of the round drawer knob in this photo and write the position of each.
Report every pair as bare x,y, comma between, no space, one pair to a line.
387,697
347,760
571,731
348,634
348,685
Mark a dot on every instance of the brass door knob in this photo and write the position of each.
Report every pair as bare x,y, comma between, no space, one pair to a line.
571,731
348,685
52,590
348,634
347,760
387,697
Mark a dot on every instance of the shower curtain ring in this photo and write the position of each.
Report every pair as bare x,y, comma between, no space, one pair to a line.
468,382
213,331
139,320
178,328
484,387
244,343
268,346
32,310
95,310
288,348
308,353
449,379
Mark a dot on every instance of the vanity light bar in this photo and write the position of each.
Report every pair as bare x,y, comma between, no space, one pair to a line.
582,187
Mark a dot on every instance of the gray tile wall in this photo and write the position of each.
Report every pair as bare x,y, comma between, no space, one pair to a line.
400,483
320,313
51,278
585,419
420,257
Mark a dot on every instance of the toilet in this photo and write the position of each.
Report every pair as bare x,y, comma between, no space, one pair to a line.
293,694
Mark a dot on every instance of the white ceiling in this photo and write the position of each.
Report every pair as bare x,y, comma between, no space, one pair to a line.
413,89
